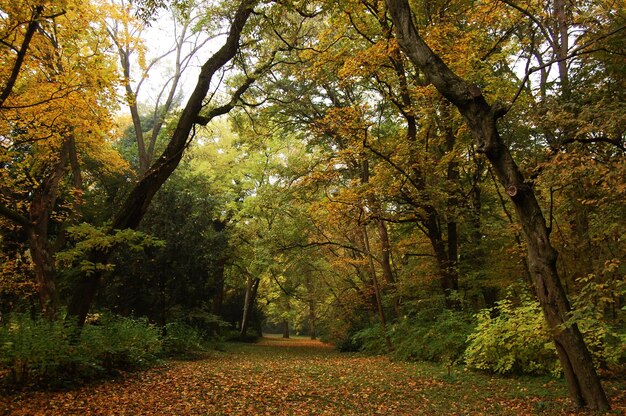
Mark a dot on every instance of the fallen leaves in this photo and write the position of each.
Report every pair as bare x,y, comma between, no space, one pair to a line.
296,377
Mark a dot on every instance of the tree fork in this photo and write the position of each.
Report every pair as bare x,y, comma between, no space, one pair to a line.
584,384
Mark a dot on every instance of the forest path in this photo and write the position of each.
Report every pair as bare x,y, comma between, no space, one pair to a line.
297,377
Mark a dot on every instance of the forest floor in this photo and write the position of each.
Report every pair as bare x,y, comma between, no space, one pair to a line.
303,377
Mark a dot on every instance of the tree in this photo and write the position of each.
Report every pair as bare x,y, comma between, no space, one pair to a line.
136,203
56,112
584,385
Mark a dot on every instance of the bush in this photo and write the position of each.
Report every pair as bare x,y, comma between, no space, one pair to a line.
515,339
43,352
182,339
121,343
424,337
370,340
512,339
29,347
439,339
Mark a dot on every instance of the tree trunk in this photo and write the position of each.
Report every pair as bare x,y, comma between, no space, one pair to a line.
44,272
365,175
285,329
583,382
251,289
41,207
377,290
448,271
33,26
385,249
312,320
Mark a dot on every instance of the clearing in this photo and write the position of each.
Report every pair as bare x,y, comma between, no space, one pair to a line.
303,377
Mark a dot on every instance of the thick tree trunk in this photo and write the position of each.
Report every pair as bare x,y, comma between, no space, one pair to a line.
136,204
583,383
41,207
44,272
385,250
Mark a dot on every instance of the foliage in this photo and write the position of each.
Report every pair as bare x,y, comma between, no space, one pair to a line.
33,347
512,338
344,179
88,238
439,337
182,339
117,342
601,322
40,351
370,340
176,279
431,337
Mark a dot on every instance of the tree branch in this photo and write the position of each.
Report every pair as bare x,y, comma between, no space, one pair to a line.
13,215
19,61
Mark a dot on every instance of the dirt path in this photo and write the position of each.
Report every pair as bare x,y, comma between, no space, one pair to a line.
297,377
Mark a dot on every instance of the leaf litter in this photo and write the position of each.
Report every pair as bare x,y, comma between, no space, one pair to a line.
303,377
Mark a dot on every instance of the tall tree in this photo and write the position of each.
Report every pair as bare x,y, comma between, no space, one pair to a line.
583,382
56,114
136,203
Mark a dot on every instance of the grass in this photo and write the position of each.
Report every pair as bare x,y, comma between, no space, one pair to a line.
297,376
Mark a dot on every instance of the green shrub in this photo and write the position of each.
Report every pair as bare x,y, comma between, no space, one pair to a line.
33,347
512,339
35,350
370,340
182,339
438,338
121,343
515,339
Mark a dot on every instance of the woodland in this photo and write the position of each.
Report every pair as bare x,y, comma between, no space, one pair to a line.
432,183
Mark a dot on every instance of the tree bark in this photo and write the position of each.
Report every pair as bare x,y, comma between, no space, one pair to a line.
377,289
385,250
136,203
448,271
45,273
583,382
41,206
251,290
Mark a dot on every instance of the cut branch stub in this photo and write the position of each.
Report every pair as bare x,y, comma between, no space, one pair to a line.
511,190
